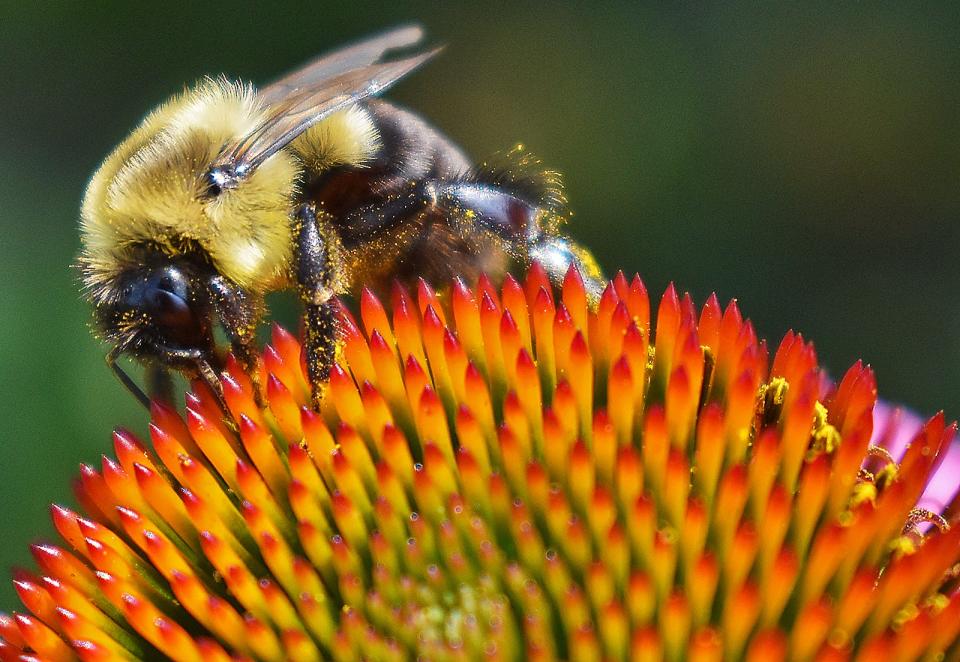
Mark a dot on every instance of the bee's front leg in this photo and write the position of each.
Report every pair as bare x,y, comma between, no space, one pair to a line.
238,311
313,274
159,382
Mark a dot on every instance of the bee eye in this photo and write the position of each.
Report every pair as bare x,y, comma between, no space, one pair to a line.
167,309
165,298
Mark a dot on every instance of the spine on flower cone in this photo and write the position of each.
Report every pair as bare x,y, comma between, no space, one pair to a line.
510,472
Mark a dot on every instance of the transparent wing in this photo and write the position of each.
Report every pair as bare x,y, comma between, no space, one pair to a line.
341,61
303,98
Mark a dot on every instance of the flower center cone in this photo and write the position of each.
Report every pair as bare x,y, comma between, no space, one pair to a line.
514,473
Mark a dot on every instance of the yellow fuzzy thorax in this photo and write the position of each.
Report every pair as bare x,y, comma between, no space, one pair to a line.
151,191
348,137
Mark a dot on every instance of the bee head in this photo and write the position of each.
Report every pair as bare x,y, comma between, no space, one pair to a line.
159,311
165,186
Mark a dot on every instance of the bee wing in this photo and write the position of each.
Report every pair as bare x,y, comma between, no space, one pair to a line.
341,61
303,98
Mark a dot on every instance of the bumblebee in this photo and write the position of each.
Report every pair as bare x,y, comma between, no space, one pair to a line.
227,192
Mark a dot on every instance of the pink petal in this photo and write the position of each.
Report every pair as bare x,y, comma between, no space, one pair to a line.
894,427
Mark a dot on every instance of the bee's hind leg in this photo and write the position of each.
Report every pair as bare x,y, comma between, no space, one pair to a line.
480,209
556,254
520,223
312,271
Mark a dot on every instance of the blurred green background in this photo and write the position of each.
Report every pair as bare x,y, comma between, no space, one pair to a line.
803,159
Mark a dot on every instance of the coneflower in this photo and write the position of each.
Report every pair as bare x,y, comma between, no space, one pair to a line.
514,474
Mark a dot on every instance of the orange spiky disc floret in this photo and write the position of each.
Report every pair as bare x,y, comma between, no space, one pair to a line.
507,474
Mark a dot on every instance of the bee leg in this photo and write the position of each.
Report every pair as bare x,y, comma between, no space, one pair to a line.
239,312
314,279
556,254
125,379
477,209
202,363
158,377
159,383
496,210
209,376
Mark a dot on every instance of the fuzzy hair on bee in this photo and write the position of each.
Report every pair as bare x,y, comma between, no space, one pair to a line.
152,191
227,192
521,172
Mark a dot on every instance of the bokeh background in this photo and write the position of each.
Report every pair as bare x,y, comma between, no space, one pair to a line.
804,159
